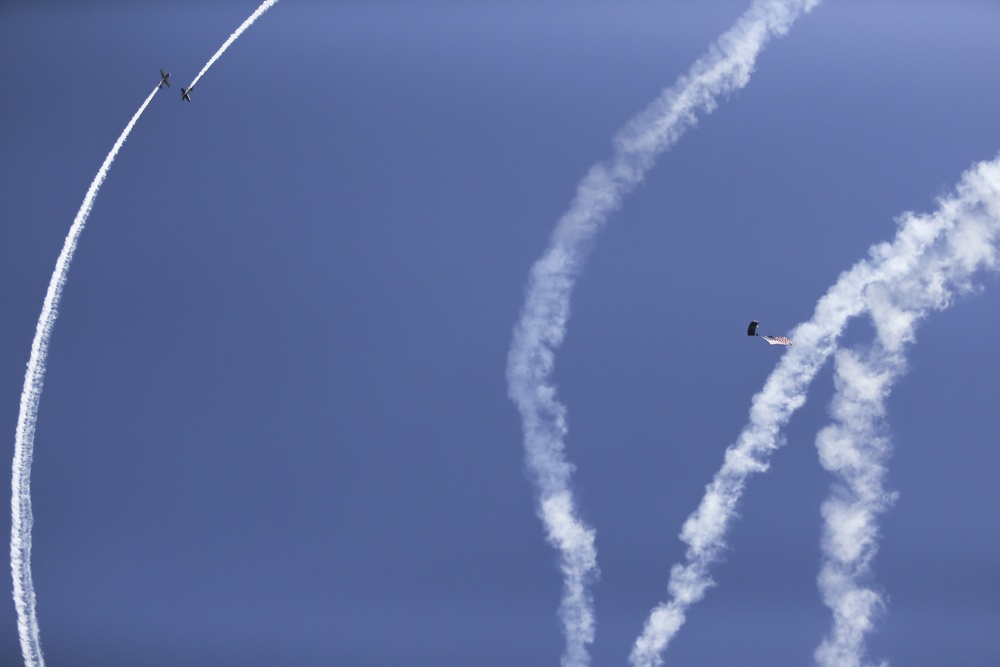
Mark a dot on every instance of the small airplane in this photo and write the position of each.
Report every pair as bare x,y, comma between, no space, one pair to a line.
186,93
166,79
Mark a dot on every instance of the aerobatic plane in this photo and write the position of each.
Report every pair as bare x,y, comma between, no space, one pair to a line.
166,79
186,93
770,340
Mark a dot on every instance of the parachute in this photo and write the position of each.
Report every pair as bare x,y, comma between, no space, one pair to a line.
770,340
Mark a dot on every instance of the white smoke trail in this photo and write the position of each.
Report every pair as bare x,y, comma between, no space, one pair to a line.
724,69
24,443
854,450
21,515
232,38
854,447
931,258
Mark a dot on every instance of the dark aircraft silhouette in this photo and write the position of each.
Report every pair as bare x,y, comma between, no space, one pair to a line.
186,93
166,79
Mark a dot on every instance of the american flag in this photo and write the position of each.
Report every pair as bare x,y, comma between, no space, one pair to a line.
777,340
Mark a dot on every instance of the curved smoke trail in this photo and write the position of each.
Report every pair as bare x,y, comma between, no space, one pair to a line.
232,38
21,517
854,447
24,443
931,258
724,69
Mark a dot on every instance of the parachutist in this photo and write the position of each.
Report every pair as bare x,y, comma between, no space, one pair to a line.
770,340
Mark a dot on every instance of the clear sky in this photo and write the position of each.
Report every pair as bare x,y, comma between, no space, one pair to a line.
275,427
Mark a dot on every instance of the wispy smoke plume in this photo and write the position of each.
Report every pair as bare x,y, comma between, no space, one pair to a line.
931,258
232,38
540,331
854,447
31,394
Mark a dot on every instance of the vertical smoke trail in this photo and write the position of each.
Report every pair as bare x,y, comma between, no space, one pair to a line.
24,443
854,450
232,38
725,68
931,258
854,447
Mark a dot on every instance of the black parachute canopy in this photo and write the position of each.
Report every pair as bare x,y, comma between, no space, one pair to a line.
752,329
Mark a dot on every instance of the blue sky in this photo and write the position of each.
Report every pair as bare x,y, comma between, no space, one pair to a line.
275,426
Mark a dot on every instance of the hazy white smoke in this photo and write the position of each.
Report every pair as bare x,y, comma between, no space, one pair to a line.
725,68
931,258
232,38
854,447
24,442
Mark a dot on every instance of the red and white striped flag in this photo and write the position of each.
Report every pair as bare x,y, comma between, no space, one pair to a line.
777,340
